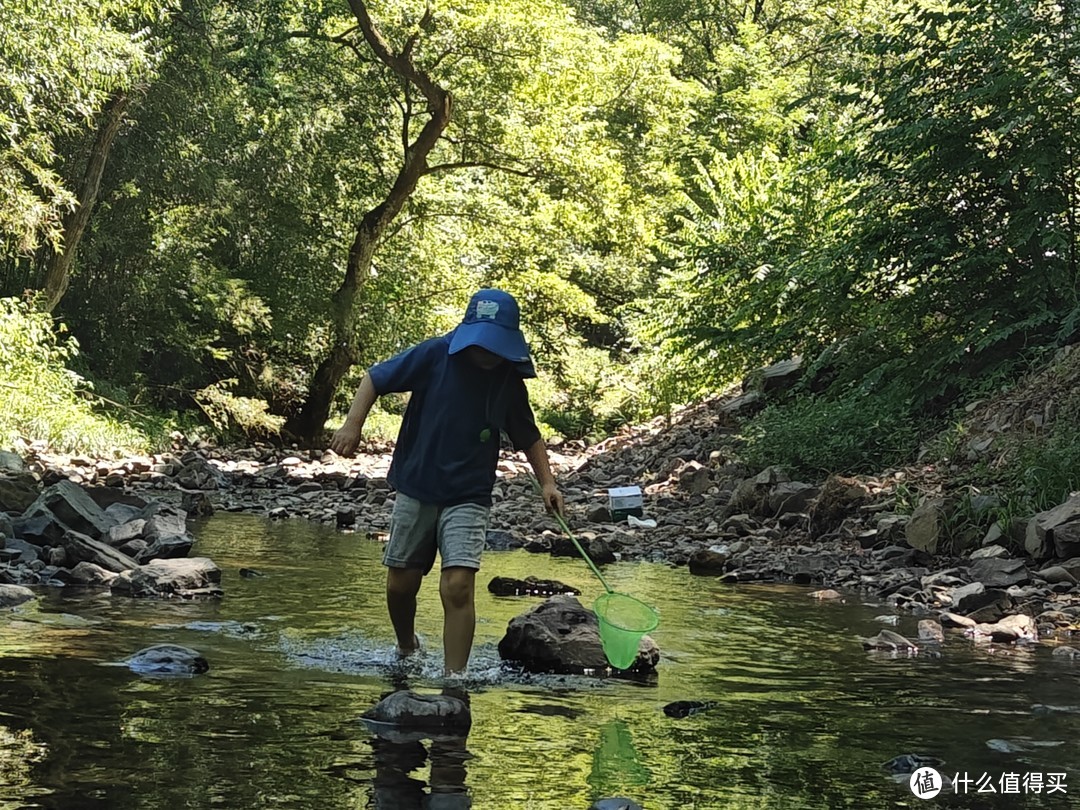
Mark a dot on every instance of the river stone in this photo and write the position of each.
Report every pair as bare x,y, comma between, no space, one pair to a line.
413,710
17,492
561,635
86,573
1041,537
615,803
890,641
80,547
499,540
166,548
70,504
198,473
530,586
1064,651
1055,574
163,520
191,576
20,550
708,563
167,659
12,595
999,573
930,630
11,462
598,549
116,536
927,525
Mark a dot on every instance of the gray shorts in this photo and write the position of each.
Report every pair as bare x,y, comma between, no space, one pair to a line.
418,530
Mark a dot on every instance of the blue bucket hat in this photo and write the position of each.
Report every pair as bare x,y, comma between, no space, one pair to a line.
493,322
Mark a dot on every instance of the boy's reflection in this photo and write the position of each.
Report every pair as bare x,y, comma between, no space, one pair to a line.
396,759
399,752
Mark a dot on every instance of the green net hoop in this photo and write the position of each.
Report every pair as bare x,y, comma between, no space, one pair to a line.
623,621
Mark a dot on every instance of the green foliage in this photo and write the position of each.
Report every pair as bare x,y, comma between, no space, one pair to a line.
40,398
58,64
237,416
589,395
817,436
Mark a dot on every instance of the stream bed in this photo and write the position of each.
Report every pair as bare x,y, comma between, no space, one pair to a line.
802,716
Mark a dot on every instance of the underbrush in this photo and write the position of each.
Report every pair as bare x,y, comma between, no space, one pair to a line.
41,399
817,435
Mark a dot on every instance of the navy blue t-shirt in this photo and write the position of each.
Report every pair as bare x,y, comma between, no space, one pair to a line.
448,445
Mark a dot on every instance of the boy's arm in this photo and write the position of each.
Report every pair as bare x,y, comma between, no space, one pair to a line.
347,438
537,455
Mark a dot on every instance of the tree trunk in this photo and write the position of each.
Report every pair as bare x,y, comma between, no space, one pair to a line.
345,350
58,268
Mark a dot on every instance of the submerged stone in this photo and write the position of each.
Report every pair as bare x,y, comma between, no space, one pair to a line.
167,659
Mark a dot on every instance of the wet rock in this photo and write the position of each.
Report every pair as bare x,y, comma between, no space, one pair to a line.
193,576
163,520
116,536
707,562
615,803
560,635
685,708
1064,651
345,517
12,595
909,763
930,630
408,709
197,503
19,551
133,547
530,586
598,549
827,594
90,575
82,548
166,548
498,540
251,573
167,659
889,641
69,504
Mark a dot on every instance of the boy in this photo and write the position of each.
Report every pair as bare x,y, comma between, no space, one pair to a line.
466,386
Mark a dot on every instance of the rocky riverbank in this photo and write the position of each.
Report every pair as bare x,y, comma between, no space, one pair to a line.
844,535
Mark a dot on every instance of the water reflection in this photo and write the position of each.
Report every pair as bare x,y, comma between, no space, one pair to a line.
803,717
396,759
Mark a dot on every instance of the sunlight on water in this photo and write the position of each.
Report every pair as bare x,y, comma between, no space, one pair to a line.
796,714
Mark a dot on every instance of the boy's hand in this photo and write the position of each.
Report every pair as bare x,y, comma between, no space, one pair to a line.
346,440
553,499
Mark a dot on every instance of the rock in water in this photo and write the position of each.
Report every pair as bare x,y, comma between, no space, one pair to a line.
909,763
167,659
615,803
412,710
530,586
685,708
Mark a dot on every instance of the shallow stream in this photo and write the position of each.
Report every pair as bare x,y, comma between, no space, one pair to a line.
804,718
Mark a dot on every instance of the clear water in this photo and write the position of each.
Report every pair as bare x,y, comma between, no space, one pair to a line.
804,717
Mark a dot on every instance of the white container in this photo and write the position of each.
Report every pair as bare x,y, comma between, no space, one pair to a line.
623,501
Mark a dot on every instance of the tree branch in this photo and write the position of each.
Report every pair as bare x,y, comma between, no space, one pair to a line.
479,164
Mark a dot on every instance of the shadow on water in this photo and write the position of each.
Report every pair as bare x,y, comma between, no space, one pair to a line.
800,716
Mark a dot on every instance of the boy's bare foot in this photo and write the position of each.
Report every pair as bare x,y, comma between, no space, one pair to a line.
403,652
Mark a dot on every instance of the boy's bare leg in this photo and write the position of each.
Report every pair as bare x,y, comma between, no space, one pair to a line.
402,585
457,587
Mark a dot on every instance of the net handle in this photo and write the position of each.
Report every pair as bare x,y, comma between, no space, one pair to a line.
570,534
